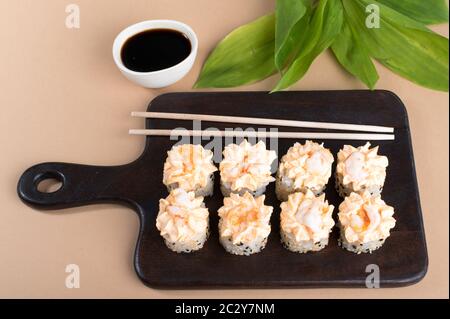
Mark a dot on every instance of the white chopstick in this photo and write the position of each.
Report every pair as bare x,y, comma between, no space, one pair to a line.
264,121
293,135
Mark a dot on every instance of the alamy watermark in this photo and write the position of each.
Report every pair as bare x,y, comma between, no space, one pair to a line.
73,277
373,19
373,279
216,140
73,16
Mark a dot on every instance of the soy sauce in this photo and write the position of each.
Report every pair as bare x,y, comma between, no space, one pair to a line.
155,49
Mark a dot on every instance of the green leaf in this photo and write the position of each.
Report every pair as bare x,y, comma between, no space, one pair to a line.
244,56
292,17
405,47
425,11
394,15
353,56
325,25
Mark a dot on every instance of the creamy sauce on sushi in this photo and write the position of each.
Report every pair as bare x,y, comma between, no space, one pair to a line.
310,214
247,166
365,218
361,168
244,218
188,166
181,216
306,165
374,217
354,166
306,216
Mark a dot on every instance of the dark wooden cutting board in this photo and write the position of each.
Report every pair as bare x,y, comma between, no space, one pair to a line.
402,260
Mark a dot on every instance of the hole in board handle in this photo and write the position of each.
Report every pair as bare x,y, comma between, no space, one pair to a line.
49,182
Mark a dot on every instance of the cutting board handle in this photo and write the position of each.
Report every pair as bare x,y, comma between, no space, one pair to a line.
80,185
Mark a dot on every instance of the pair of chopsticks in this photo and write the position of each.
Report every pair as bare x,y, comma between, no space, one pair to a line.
263,121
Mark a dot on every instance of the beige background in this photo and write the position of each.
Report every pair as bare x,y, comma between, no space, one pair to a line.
62,99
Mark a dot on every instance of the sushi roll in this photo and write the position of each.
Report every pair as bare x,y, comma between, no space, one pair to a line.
244,224
365,222
191,168
305,167
246,168
183,221
305,222
360,169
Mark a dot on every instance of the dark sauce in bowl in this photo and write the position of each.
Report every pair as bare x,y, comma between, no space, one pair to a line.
155,50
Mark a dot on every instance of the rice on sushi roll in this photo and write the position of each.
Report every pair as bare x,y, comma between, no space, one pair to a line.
191,168
305,222
183,221
246,168
305,167
365,222
360,169
244,224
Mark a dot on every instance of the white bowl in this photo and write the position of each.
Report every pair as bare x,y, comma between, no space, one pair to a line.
160,78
